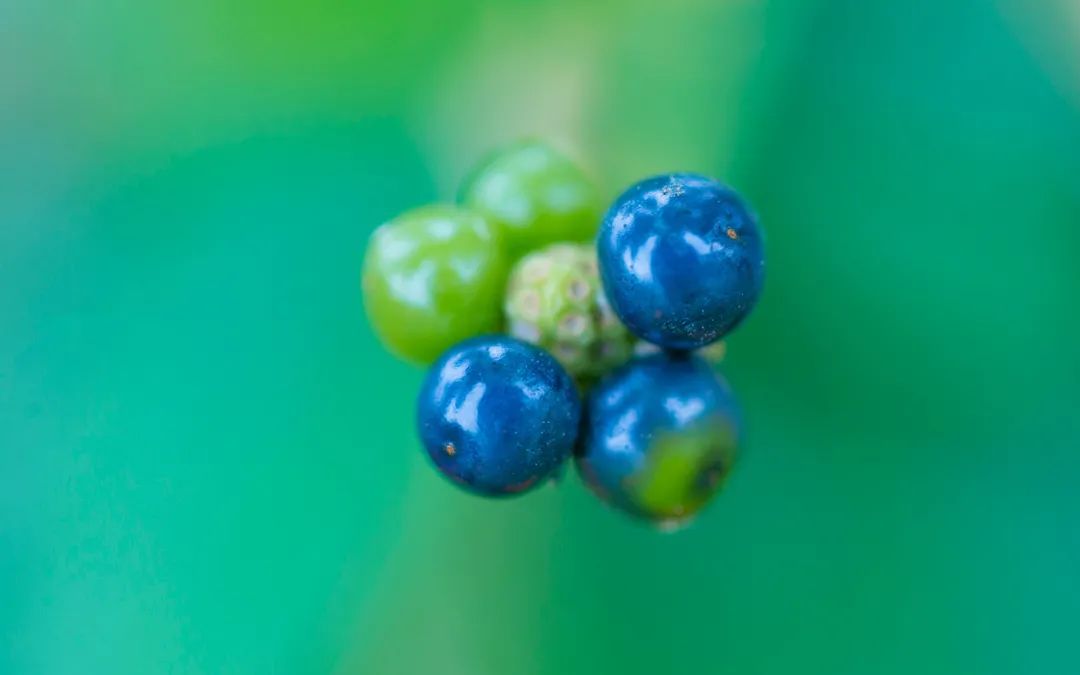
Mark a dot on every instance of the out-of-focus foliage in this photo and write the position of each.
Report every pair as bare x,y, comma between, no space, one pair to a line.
207,464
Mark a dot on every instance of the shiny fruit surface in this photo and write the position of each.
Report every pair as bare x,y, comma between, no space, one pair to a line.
432,277
659,437
682,260
498,416
536,196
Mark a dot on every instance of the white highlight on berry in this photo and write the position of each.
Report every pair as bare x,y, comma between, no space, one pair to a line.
684,410
465,413
415,287
392,247
641,263
440,230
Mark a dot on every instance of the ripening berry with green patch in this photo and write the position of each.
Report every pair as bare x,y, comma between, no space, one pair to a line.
660,437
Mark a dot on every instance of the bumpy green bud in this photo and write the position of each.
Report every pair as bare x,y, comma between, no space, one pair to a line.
554,299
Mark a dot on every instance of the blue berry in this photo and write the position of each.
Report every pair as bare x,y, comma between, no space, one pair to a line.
659,437
498,416
681,259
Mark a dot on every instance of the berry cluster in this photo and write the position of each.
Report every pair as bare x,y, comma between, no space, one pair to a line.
553,331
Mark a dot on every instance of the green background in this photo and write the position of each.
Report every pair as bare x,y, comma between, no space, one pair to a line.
207,463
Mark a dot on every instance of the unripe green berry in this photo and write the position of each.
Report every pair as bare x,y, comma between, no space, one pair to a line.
432,277
535,196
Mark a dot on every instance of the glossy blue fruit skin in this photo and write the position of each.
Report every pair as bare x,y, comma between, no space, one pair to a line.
659,437
498,416
682,260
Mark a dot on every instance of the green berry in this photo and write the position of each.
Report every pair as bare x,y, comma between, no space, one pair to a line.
554,299
433,277
536,196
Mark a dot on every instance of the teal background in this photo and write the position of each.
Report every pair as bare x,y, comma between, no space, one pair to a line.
207,463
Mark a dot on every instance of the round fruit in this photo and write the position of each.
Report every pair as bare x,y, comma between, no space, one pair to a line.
432,277
497,415
659,437
536,196
554,299
682,260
